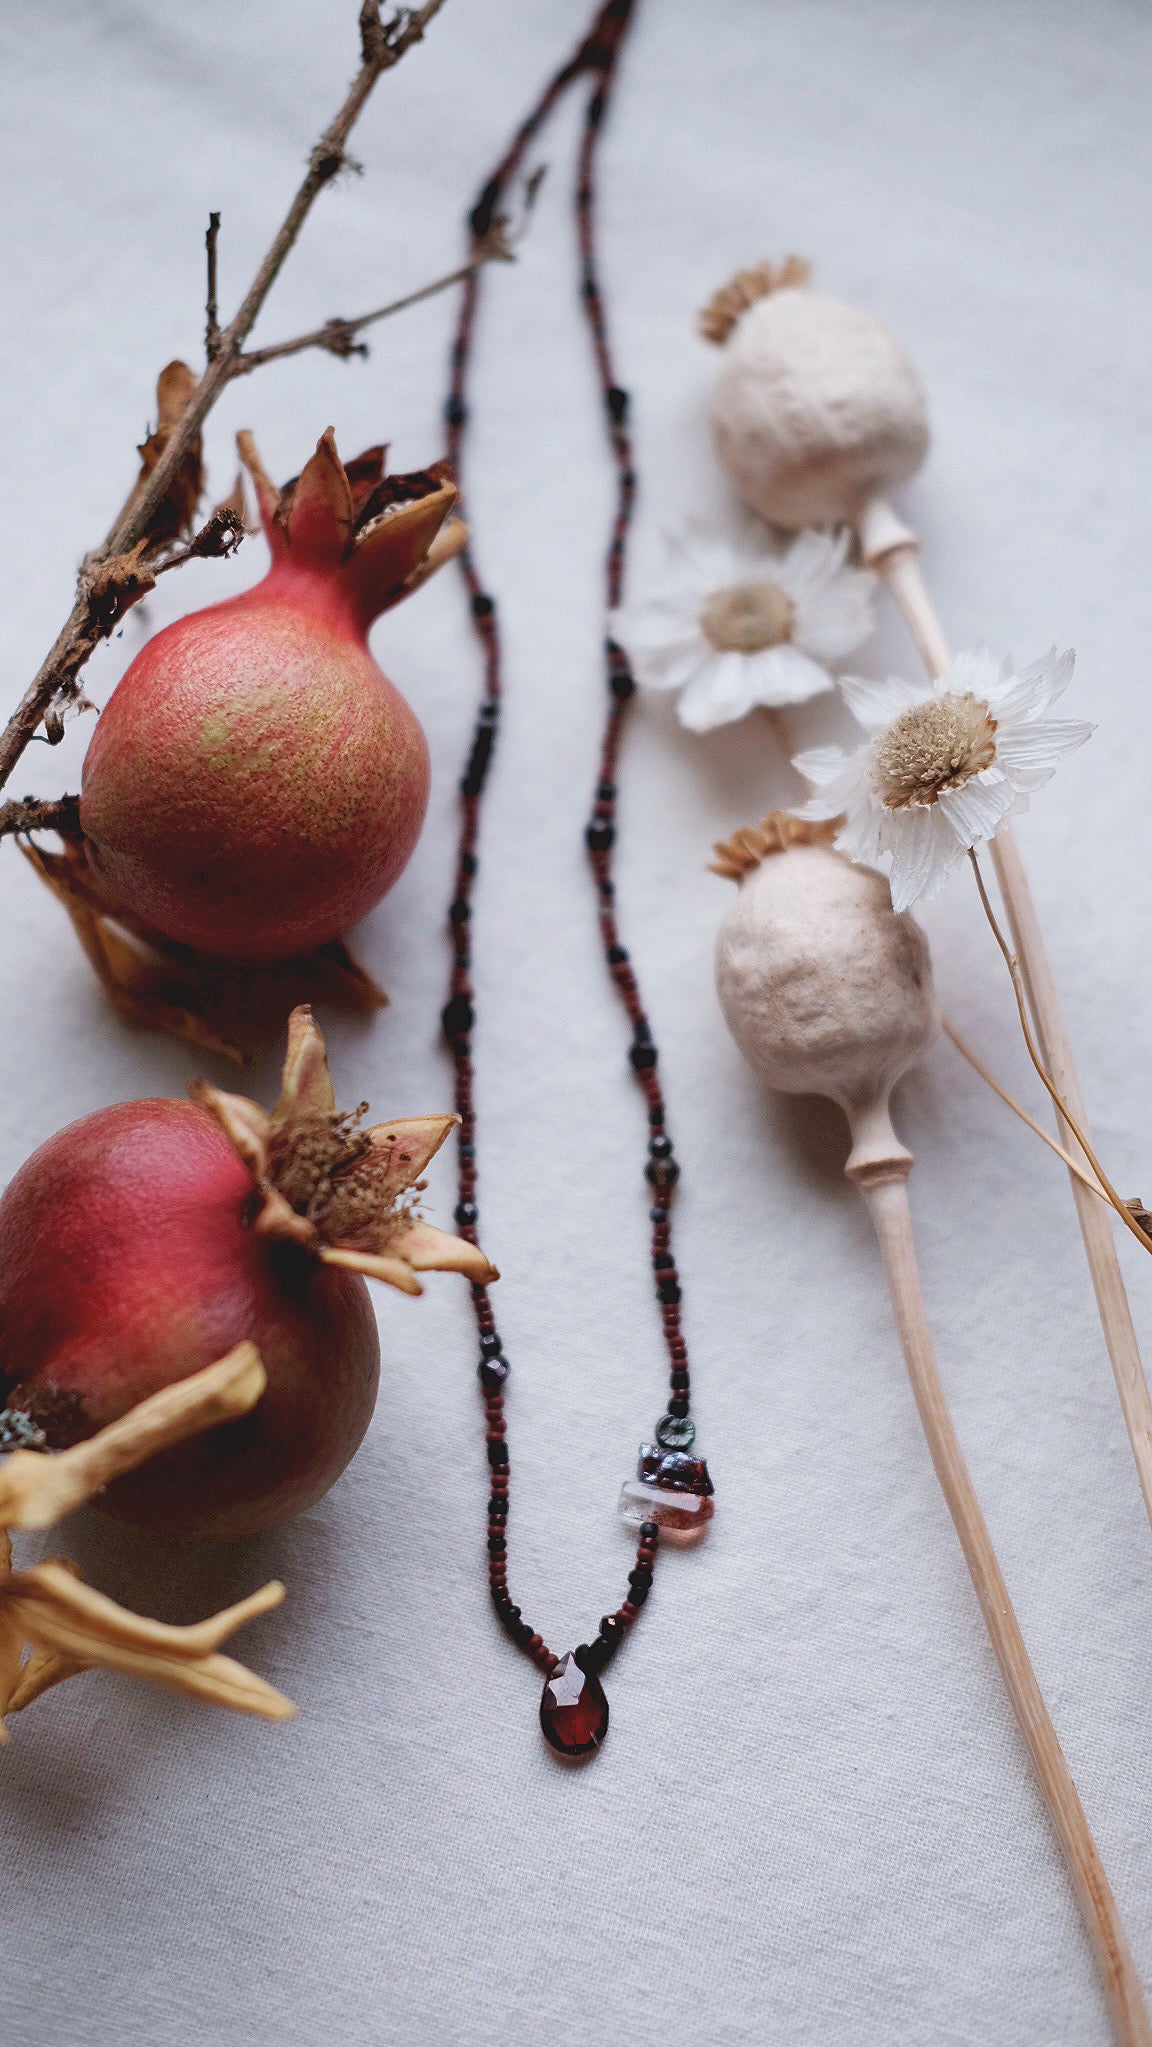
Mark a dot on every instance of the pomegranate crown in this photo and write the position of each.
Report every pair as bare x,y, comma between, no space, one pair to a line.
381,536
348,1195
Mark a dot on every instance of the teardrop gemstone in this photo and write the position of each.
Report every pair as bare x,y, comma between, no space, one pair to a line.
573,1709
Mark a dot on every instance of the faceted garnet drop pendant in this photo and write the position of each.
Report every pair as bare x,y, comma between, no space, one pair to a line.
573,1709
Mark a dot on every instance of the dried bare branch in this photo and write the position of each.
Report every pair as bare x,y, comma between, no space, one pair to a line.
105,581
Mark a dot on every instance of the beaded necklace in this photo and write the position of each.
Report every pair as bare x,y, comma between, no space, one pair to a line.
671,1494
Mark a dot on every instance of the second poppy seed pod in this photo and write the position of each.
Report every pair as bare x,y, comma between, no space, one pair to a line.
825,989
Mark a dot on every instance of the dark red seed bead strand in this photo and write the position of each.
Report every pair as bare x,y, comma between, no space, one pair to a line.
597,56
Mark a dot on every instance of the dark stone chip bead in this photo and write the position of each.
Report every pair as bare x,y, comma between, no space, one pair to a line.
459,912
662,1260
498,1454
467,1214
600,838
669,1291
617,401
482,606
639,1575
678,1405
522,1634
617,955
643,1057
458,1017
490,1343
492,1373
612,1629
640,1587
679,1382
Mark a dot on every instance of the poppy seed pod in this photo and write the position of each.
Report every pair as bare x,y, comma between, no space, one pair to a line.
817,407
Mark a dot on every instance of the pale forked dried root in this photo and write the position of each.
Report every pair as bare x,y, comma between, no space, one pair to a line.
69,1627
737,856
717,319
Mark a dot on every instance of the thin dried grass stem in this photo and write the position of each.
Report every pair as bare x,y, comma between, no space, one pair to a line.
886,1196
1018,1109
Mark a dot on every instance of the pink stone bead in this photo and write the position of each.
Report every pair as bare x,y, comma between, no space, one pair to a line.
681,1517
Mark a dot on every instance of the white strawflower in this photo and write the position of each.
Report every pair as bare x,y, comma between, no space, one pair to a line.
739,624
947,762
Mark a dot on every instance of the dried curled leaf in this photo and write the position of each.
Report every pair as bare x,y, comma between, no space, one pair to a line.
176,511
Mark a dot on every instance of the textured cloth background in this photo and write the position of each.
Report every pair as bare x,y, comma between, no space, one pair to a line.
813,1823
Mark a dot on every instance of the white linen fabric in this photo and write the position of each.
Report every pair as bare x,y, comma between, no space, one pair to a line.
813,1822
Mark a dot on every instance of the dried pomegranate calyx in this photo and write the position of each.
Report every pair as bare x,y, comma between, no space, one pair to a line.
349,1195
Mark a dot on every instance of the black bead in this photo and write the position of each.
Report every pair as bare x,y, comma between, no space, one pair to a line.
640,1574
489,712
497,1508
662,1260
483,213
678,1405
621,684
660,1147
657,1216
459,912
669,1291
606,791
468,863
612,1628
522,1634
482,606
497,1545
617,401
455,412
639,1593
466,1151
467,1214
643,1057
498,1454
617,955
649,1532
457,1017
600,838
679,1382
490,1343
492,1372
662,1172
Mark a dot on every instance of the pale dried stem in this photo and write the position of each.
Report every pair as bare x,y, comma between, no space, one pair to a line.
1018,1109
886,1196
382,47
900,569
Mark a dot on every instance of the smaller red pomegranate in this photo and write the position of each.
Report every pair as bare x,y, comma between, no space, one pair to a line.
256,784
143,1242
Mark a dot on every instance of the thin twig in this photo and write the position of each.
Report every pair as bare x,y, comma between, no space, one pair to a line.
1013,965
31,815
383,44
1018,1109
338,336
211,308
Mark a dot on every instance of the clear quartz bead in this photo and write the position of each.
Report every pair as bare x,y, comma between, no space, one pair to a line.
680,1517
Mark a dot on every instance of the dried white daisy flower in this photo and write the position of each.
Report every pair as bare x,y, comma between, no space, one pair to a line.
739,624
947,762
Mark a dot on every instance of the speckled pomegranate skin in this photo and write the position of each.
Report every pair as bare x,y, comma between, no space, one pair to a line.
256,784
125,1264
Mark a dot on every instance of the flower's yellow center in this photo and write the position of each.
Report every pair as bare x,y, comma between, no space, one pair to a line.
934,746
744,618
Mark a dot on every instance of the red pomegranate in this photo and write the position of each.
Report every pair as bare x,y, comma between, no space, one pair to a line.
146,1240
256,783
